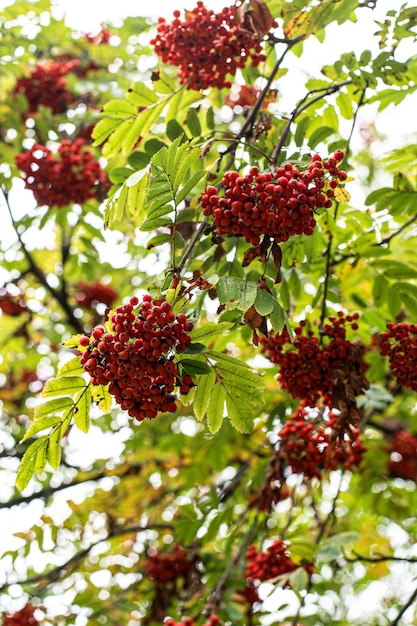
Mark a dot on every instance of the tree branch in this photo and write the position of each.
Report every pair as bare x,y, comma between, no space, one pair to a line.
58,295
300,108
406,606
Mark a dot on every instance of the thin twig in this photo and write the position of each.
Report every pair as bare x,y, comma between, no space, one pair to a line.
300,108
58,295
406,606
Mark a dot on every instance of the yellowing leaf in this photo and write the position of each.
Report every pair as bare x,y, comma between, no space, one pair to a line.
341,195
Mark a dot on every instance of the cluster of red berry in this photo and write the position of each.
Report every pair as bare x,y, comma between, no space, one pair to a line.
213,620
399,343
206,46
312,443
312,367
276,561
403,455
276,205
47,86
137,357
24,617
90,294
166,568
74,175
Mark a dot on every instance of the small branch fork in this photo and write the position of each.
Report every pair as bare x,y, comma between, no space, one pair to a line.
59,295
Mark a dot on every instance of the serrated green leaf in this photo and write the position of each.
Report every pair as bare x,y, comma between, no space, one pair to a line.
140,95
120,108
62,386
103,129
138,160
53,451
241,417
82,409
203,394
247,296
215,408
209,331
193,122
28,462
40,425
264,302
277,318
319,135
101,396
195,366
74,342
228,289
174,130
117,137
52,406
189,186
225,358
153,224
71,368
158,240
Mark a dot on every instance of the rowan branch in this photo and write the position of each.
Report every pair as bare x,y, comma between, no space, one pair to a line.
300,108
404,608
58,294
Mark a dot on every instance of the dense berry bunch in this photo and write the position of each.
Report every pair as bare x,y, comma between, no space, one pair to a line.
399,343
312,367
311,444
206,46
167,568
24,617
276,205
74,175
213,620
136,358
403,458
276,561
47,86
90,294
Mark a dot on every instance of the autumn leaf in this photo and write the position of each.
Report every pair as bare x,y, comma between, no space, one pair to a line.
262,17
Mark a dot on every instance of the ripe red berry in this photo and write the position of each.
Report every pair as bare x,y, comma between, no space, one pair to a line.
74,175
206,47
136,358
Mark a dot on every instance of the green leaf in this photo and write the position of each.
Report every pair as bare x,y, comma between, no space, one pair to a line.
319,135
52,406
158,240
215,408
102,397
248,294
140,95
241,416
53,452
40,425
103,129
344,103
264,302
62,386
82,409
207,332
120,108
29,461
138,160
277,318
189,185
193,122
174,130
71,368
203,394
228,289
195,366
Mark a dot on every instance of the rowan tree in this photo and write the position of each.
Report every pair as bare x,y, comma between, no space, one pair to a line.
208,309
